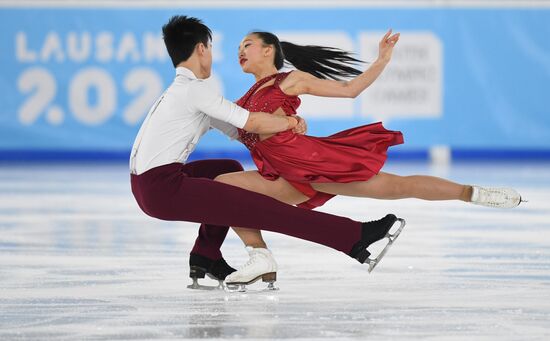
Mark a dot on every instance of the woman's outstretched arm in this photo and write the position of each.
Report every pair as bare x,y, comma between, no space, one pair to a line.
301,83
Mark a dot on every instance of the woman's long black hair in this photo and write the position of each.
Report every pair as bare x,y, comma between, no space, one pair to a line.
320,61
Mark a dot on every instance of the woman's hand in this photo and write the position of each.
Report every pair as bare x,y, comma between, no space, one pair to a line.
300,128
386,45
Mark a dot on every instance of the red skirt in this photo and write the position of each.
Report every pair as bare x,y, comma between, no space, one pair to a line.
351,155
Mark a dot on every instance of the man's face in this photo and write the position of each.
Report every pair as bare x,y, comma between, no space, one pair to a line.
206,60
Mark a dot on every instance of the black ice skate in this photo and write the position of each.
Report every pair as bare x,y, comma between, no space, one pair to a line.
201,266
372,232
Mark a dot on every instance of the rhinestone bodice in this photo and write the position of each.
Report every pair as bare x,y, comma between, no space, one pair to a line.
267,99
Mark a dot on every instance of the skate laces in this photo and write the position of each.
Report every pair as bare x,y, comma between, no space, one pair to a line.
253,259
254,256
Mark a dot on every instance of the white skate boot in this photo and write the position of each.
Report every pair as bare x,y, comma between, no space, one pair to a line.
495,197
260,265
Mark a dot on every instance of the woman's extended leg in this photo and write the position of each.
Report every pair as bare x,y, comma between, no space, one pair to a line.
390,186
381,186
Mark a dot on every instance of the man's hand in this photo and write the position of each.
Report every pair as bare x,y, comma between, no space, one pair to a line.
301,128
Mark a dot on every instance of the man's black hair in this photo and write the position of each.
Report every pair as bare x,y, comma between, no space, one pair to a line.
181,34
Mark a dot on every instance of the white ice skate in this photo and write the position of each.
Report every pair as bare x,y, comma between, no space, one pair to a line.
495,197
260,265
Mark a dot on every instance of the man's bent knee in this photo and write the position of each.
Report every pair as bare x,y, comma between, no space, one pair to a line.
232,166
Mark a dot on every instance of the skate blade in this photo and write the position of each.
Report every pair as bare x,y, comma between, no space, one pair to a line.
522,200
244,289
196,286
391,238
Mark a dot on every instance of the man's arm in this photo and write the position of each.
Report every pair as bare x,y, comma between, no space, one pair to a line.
207,101
232,133
226,128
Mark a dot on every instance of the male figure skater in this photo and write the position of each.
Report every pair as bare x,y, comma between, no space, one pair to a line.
168,188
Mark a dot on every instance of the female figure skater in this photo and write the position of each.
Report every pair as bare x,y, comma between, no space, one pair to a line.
306,170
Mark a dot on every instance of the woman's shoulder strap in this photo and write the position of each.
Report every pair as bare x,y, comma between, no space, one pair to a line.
281,77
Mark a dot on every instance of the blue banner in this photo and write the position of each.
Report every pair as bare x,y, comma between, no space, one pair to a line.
83,79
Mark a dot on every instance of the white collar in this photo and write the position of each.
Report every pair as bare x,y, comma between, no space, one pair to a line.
180,70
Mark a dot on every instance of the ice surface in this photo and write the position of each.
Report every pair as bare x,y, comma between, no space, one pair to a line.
78,260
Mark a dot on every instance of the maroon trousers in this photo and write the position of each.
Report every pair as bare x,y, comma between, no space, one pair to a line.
187,192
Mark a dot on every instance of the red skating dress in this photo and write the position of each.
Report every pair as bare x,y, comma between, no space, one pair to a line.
355,154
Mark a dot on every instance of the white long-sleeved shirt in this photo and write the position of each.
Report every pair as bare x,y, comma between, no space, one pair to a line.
179,118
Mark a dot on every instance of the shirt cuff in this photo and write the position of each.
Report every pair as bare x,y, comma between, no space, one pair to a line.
242,118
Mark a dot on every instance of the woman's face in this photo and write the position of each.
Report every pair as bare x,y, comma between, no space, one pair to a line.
253,54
